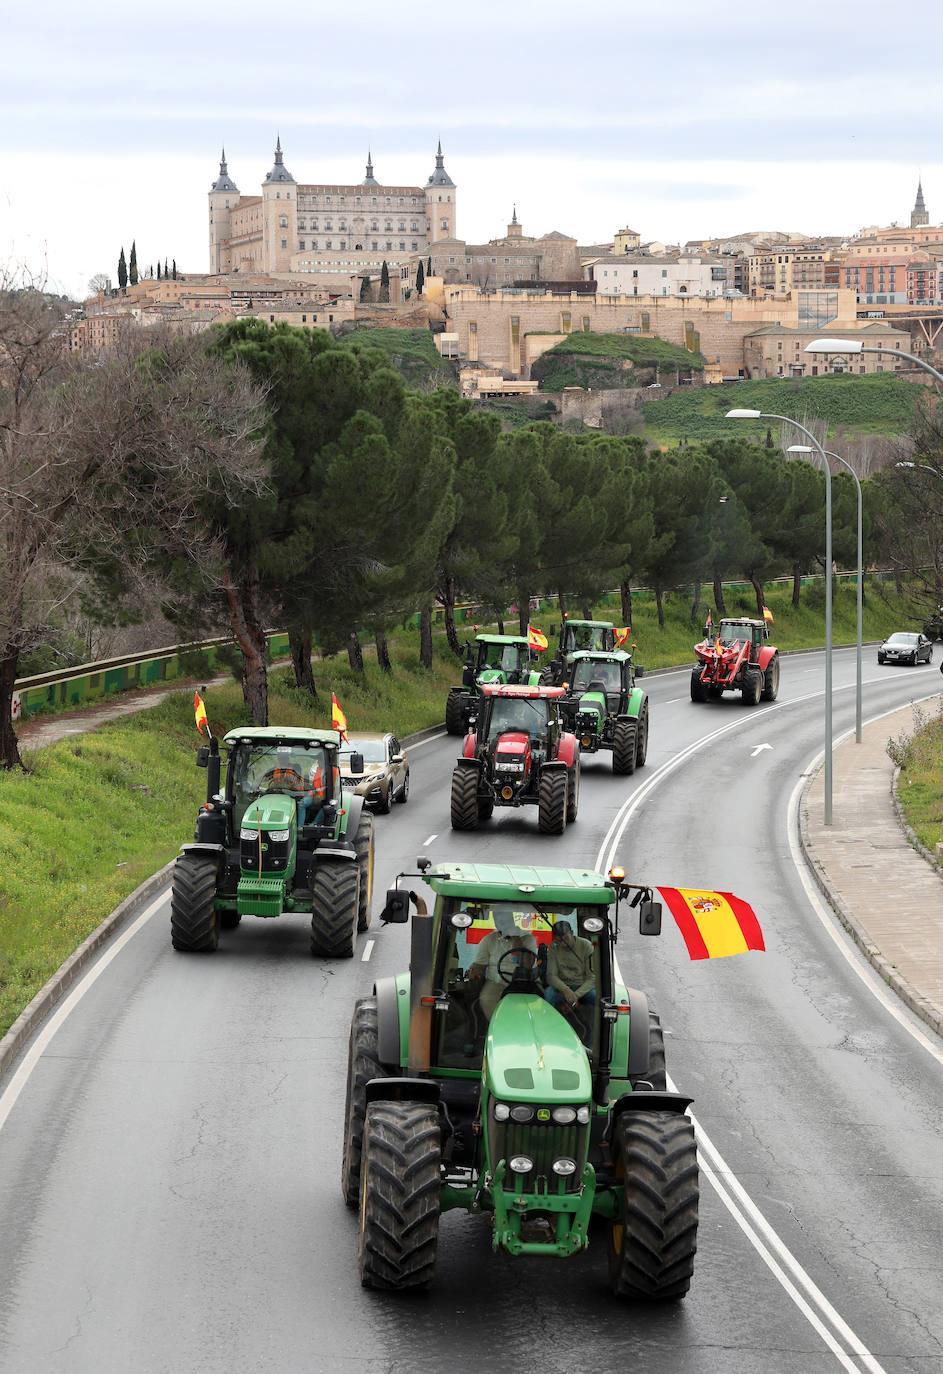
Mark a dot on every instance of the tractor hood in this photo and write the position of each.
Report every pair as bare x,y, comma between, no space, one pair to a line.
512,744
532,1054
274,811
491,675
592,701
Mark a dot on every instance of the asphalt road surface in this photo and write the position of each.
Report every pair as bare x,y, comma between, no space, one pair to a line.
170,1144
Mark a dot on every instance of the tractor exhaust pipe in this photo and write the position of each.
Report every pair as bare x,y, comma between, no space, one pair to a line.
420,988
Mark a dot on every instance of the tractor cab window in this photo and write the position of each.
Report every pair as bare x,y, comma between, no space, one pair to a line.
592,638
257,768
511,658
523,714
489,658
732,634
587,672
512,943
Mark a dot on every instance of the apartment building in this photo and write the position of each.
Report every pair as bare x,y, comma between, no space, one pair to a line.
631,274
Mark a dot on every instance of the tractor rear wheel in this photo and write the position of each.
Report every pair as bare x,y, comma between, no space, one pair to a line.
624,745
464,799
363,844
699,690
551,802
335,909
652,1245
573,791
194,927
454,715
752,688
485,809
657,1074
771,679
228,920
399,1192
363,1063
641,736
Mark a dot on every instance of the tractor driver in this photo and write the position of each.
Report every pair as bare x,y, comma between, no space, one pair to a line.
506,936
571,980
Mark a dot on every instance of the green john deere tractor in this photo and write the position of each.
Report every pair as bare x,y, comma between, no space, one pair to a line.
498,660
478,1081
279,837
605,709
578,636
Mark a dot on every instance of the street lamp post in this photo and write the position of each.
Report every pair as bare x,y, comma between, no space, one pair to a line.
804,448
856,346
787,419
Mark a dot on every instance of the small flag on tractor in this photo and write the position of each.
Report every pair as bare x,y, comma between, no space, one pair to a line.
713,924
199,711
536,639
708,624
718,646
622,634
767,615
338,719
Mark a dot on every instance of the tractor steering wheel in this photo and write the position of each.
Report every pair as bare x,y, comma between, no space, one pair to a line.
290,781
529,970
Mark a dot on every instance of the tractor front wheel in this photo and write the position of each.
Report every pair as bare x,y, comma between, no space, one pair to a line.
194,927
399,1195
652,1245
485,809
699,690
552,802
454,715
752,688
363,1063
335,909
364,847
657,1074
464,799
624,745
641,736
771,679
572,791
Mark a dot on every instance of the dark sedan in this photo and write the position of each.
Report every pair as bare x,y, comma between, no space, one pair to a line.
906,648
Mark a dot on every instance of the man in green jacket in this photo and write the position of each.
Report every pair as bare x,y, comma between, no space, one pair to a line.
570,977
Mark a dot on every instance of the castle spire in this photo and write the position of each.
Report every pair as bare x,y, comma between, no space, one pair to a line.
224,182
279,172
369,179
440,176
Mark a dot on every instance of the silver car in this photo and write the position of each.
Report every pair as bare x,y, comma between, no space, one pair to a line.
906,648
385,777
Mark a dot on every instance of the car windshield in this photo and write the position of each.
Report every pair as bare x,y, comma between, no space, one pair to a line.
373,750
521,713
903,639
261,766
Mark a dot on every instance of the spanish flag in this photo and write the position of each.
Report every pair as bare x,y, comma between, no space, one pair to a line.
767,615
713,924
338,719
199,711
622,635
709,622
536,639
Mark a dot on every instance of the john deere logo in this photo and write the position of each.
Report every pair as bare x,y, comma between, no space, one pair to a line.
543,1113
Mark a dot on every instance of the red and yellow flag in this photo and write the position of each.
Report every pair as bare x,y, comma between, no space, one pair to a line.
767,615
708,623
338,719
713,924
536,639
622,634
199,711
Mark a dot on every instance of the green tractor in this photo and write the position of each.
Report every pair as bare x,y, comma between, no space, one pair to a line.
933,625
498,660
578,636
490,1079
280,837
605,709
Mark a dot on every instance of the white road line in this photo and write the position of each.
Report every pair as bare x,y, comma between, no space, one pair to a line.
367,951
423,742
429,841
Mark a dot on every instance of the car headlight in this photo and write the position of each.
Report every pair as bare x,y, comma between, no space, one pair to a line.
279,836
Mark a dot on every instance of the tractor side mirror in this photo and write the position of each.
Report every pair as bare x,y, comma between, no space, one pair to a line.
203,756
396,911
639,670
649,918
356,763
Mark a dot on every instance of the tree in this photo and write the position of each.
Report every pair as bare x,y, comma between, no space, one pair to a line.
122,270
133,264
420,278
364,287
158,270
165,266
384,282
99,284
174,269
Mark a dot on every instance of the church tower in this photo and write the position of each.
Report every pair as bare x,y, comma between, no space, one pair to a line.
918,215
279,216
224,194
515,230
440,201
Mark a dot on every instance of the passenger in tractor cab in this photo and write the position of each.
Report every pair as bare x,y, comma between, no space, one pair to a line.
505,945
571,978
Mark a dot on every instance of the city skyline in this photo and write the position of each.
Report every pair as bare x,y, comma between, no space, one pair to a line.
692,127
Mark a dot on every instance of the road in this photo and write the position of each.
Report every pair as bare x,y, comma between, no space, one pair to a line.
169,1166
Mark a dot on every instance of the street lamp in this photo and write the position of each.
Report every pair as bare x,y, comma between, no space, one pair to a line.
856,346
786,419
804,448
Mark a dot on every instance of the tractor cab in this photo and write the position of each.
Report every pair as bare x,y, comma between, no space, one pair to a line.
588,636
743,631
502,658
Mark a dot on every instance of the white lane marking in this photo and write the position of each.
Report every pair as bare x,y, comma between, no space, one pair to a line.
429,841
367,951
423,742
759,749
18,1082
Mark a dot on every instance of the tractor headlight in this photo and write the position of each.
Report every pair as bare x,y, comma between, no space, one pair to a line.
582,1116
279,836
564,1167
520,1164
501,1111
564,1116
247,834
522,1113
512,766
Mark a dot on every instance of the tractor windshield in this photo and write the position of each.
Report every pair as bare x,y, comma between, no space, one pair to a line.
542,950
258,767
526,714
734,634
590,637
586,672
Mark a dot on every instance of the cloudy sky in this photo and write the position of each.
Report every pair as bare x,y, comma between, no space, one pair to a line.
682,121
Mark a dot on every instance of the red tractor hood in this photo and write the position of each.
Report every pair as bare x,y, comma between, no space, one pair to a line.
513,744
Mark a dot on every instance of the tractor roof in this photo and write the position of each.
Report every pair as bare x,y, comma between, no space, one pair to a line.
277,734
600,656
501,639
497,689
740,620
511,882
592,624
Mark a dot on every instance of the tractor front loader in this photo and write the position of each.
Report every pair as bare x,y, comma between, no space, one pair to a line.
736,658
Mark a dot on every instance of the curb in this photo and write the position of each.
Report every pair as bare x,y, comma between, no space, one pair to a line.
920,1005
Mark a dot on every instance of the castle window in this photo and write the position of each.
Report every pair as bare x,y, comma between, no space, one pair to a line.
283,221
284,243
301,245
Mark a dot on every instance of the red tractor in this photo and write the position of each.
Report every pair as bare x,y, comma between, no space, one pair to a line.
735,657
517,754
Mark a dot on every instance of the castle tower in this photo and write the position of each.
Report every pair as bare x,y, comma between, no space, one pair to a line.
369,179
918,215
224,194
279,216
515,230
440,201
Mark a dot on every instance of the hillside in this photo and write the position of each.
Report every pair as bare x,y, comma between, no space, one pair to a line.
412,353
606,361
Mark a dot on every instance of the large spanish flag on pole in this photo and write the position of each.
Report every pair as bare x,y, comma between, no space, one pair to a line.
713,924
338,719
621,634
536,639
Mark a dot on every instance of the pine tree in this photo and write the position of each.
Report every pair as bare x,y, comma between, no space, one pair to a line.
384,282
165,266
429,265
122,270
174,269
158,269
365,287
420,278
133,264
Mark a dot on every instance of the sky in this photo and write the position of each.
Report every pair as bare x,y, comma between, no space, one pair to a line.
682,121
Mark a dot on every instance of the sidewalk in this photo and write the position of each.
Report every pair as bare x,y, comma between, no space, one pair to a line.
885,892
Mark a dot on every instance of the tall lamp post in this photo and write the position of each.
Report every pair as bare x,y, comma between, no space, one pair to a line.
788,420
804,448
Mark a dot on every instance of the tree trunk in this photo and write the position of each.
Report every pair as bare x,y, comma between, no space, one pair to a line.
696,607
249,632
9,747
299,646
383,652
760,595
561,602
448,605
500,624
523,613
796,583
354,652
625,591
720,605
425,636
660,605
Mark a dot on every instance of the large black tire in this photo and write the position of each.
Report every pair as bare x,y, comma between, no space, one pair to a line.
699,690
194,927
454,715
485,809
335,909
657,1075
573,791
641,736
363,1063
752,688
228,920
624,744
771,679
403,793
652,1246
364,845
552,802
464,799
399,1209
